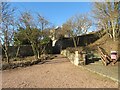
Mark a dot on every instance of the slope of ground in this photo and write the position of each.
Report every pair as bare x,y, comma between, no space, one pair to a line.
107,44
104,42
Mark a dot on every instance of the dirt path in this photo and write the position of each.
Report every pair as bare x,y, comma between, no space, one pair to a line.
55,73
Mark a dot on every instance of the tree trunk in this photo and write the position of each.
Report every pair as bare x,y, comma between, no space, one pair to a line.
38,54
34,51
78,41
6,54
43,49
113,31
18,49
6,44
75,45
108,31
8,61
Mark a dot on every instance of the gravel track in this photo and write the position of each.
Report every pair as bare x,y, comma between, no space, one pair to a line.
55,73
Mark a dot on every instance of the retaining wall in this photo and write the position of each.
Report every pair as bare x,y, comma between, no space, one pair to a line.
74,58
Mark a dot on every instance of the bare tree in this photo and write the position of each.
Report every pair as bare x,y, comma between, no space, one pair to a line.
107,16
81,23
25,27
7,26
36,36
42,22
76,26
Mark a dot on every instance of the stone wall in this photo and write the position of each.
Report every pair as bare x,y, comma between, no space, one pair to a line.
25,50
68,42
74,58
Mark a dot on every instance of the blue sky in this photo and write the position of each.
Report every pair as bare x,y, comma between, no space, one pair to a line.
56,12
